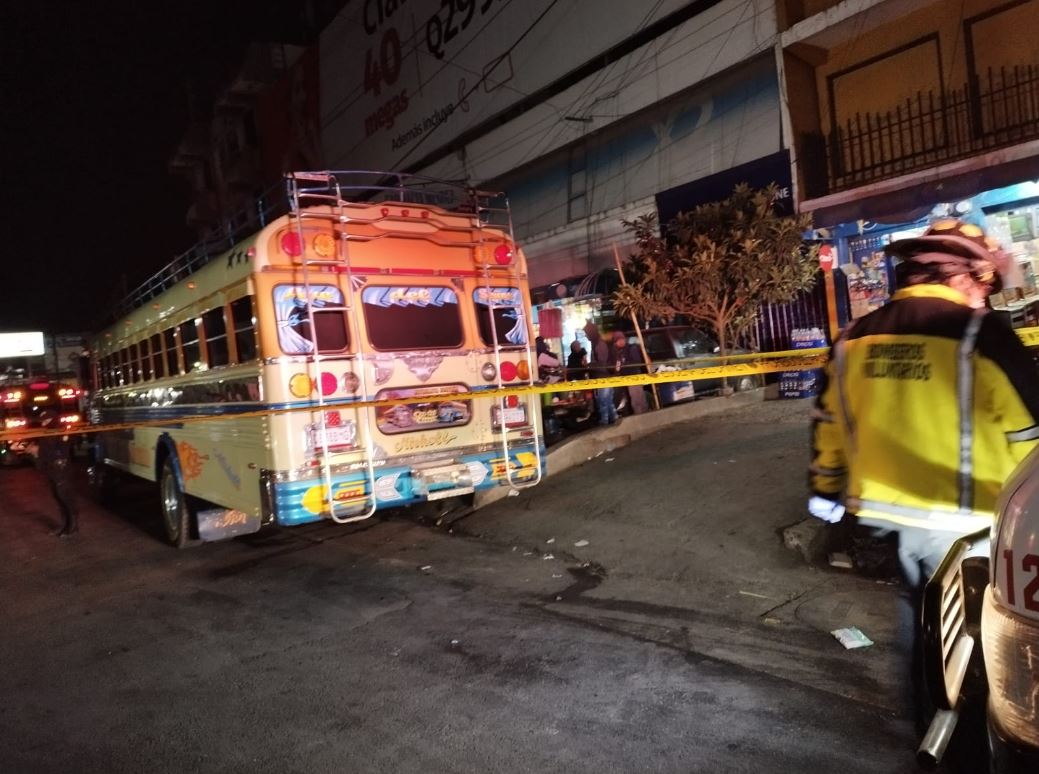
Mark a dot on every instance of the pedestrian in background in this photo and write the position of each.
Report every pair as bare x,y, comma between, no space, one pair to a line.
52,459
577,361
926,407
602,366
629,361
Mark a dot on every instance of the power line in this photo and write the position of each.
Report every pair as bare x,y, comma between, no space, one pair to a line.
477,85
727,34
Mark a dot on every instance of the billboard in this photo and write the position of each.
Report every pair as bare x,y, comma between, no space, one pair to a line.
401,79
26,344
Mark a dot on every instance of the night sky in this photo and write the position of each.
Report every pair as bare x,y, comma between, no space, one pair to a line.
94,104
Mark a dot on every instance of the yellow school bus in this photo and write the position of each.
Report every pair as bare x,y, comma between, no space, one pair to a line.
248,365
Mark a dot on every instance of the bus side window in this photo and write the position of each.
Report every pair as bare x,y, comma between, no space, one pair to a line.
215,329
124,367
158,363
169,338
135,363
190,346
244,328
146,361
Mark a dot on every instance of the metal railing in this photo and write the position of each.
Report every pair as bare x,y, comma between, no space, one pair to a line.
994,110
272,204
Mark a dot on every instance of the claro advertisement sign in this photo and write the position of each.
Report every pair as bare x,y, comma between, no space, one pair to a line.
27,344
401,78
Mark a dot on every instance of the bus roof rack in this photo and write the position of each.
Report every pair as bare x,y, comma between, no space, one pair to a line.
343,186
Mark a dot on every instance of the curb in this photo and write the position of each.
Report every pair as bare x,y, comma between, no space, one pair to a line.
591,443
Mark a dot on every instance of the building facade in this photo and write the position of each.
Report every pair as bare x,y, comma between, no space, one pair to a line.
900,111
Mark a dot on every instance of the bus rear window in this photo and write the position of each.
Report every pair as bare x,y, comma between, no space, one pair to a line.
505,306
291,309
409,318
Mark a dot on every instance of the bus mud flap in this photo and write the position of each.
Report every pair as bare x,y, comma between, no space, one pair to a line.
225,523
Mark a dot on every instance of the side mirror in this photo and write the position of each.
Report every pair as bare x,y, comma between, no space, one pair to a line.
717,350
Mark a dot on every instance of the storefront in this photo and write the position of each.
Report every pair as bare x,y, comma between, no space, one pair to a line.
563,309
864,275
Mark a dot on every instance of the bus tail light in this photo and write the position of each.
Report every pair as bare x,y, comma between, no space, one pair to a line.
488,372
351,383
503,255
523,370
328,383
70,419
12,424
508,371
301,385
325,245
291,244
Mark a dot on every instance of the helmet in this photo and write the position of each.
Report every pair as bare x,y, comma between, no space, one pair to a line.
950,247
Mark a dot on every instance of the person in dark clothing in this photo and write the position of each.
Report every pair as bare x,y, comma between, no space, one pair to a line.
52,459
601,366
629,361
577,361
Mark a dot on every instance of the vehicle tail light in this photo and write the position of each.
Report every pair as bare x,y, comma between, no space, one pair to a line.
351,382
503,255
512,401
11,424
325,245
523,370
291,244
301,385
333,419
1011,648
508,371
488,372
70,419
328,383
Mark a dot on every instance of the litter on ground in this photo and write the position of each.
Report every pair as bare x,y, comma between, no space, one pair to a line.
851,637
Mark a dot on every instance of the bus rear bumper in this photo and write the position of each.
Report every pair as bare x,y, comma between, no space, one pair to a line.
305,501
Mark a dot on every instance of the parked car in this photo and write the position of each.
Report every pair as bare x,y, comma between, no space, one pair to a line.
668,345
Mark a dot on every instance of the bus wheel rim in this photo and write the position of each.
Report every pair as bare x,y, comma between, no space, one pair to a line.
171,504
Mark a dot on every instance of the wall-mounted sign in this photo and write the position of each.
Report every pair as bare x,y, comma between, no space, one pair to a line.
27,344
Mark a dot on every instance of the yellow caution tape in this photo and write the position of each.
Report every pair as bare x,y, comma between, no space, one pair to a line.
746,365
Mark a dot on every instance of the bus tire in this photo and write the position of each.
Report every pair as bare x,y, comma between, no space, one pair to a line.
177,513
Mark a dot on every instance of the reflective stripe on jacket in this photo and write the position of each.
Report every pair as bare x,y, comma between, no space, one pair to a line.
926,407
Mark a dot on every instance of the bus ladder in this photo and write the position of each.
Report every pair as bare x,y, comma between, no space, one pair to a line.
332,197
498,348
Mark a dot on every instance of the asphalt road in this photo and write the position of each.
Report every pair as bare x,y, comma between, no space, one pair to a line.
395,647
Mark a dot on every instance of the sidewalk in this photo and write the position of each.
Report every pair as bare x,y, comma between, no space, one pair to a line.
678,517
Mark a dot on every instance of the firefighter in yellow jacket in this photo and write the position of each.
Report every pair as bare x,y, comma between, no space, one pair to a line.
928,403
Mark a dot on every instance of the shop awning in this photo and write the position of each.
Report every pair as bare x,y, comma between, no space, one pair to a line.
910,197
598,283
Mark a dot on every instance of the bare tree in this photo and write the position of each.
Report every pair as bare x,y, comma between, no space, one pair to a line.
719,264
